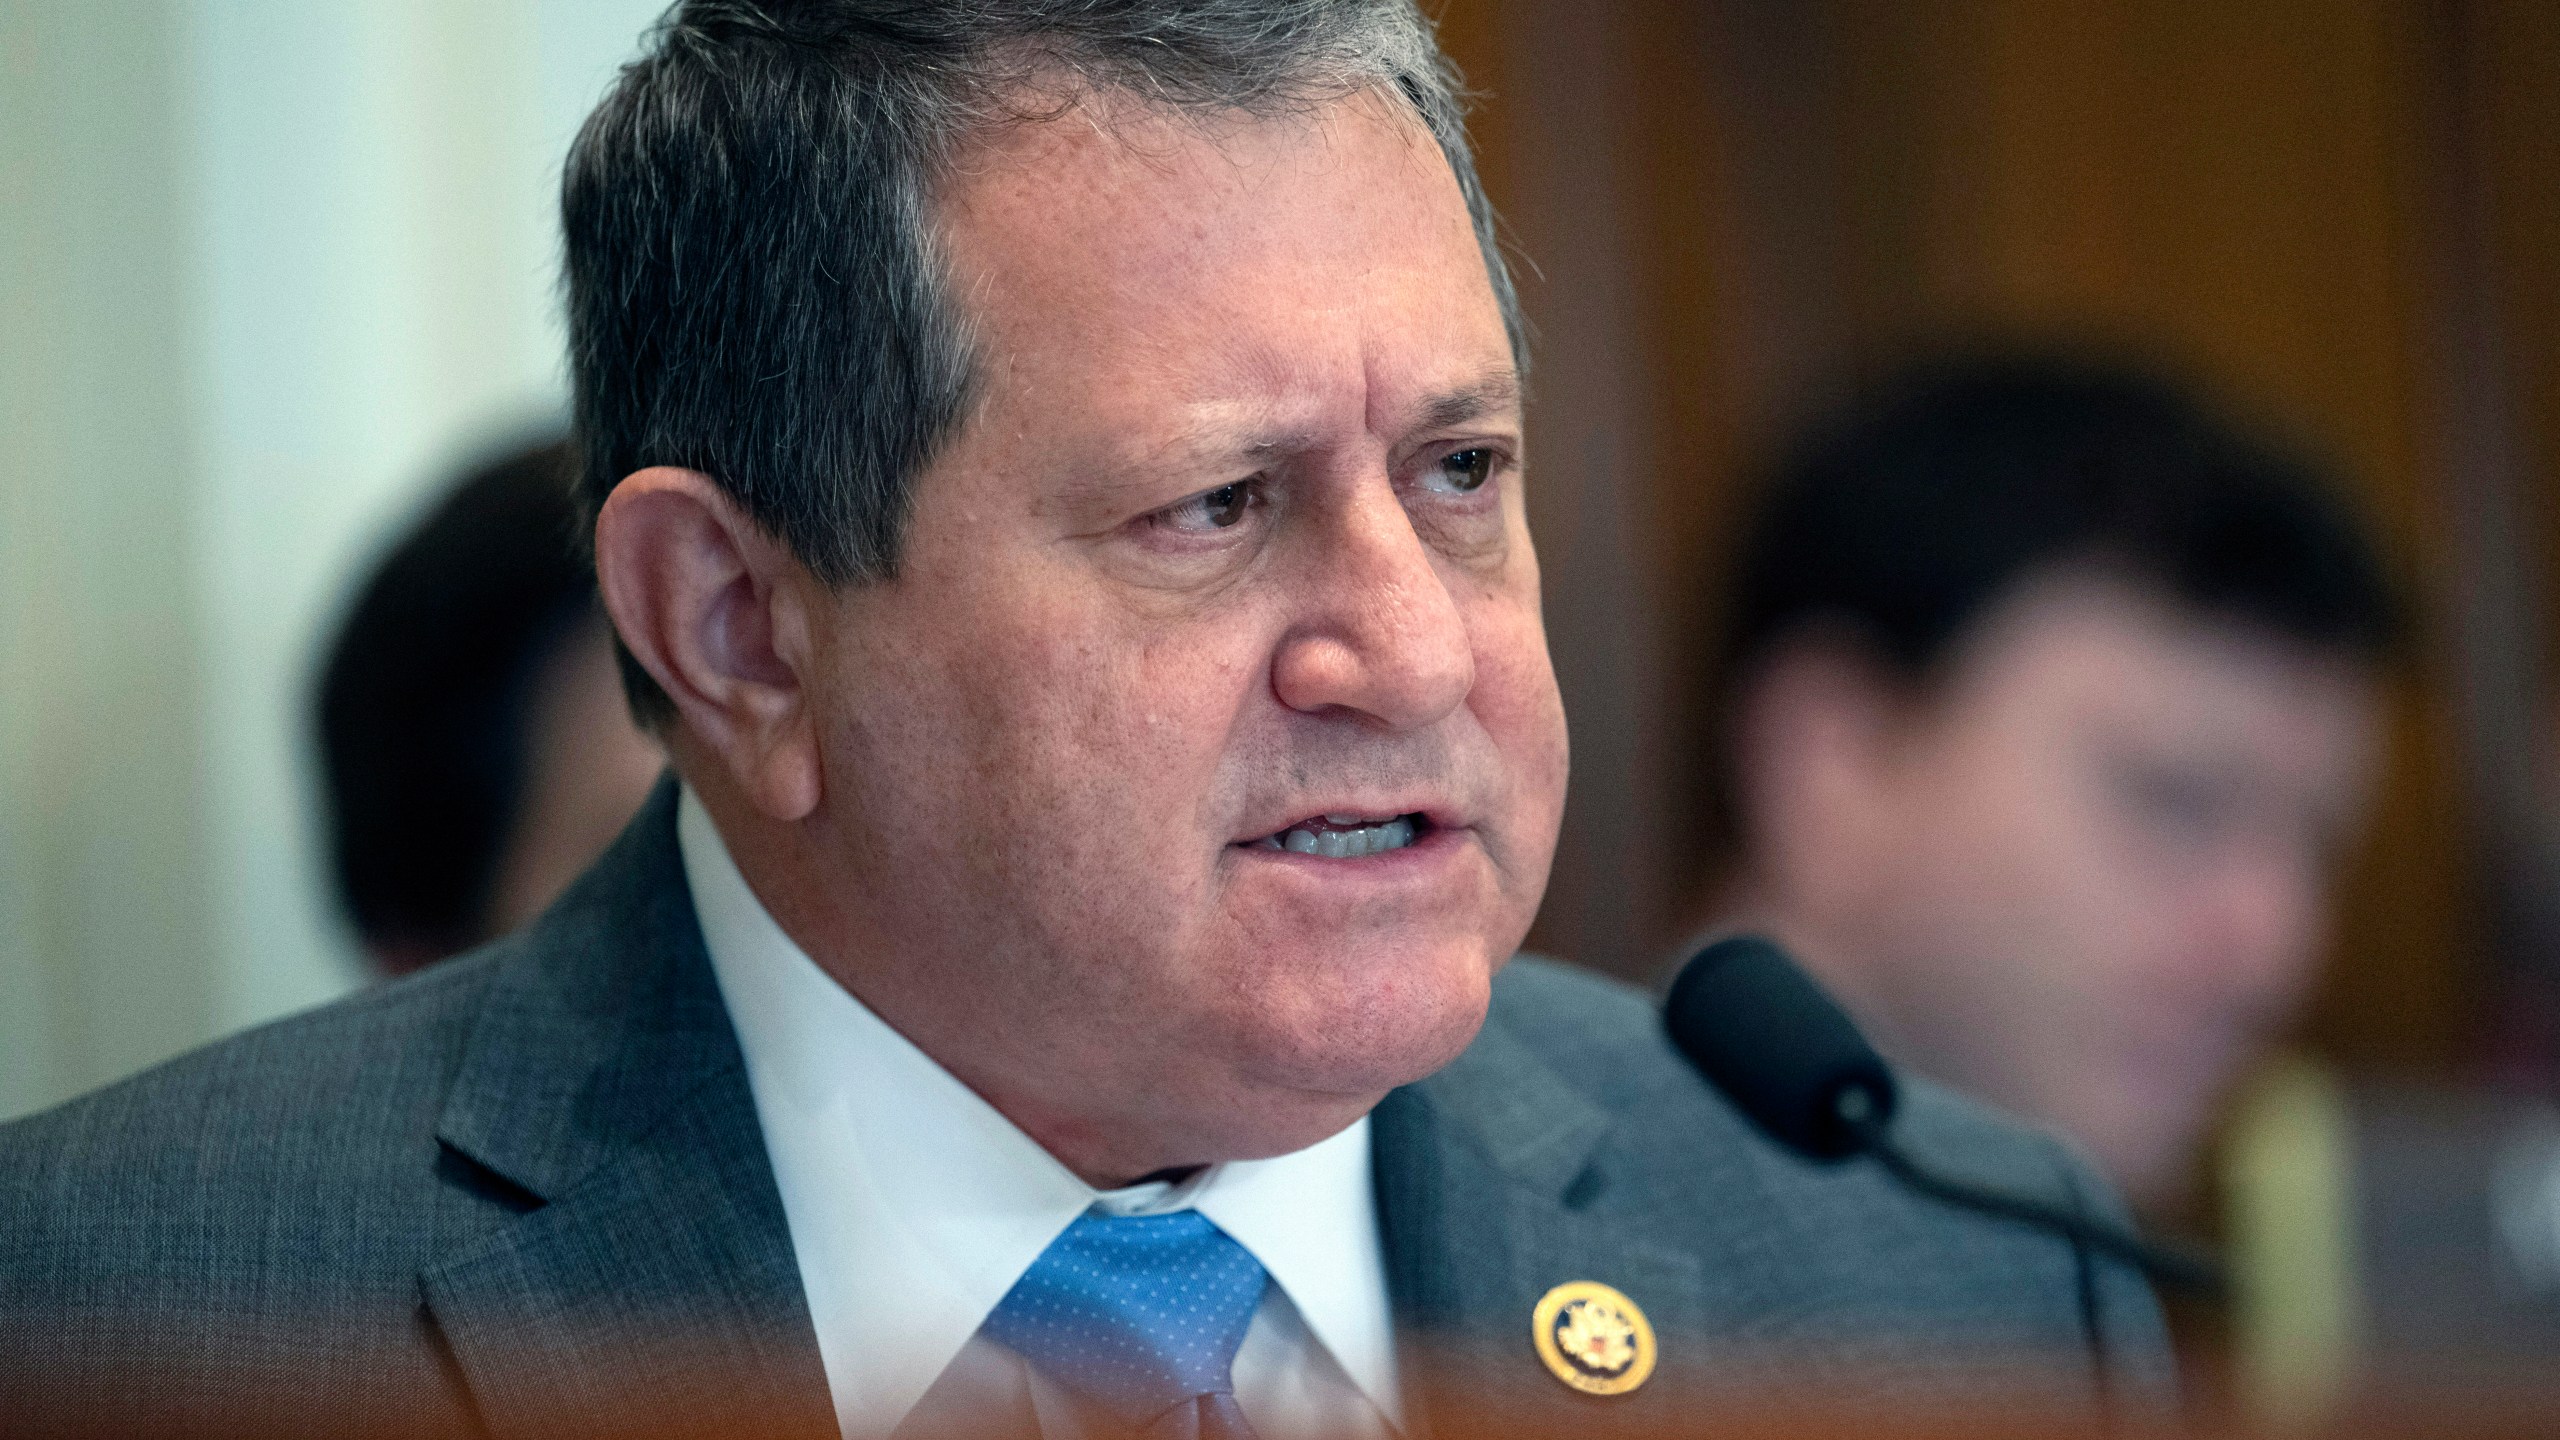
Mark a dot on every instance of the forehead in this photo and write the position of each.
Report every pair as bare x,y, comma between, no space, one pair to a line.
1140,261
2073,640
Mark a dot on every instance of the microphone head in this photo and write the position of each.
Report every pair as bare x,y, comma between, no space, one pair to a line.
1783,1051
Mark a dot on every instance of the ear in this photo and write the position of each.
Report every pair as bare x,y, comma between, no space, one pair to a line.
716,611
1814,742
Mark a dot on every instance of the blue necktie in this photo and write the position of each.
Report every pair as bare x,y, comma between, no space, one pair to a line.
1141,1315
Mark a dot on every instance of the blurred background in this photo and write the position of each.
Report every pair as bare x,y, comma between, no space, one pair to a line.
277,271
273,269
2338,218
2343,215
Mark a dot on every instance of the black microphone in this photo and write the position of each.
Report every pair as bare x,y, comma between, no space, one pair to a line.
1788,1057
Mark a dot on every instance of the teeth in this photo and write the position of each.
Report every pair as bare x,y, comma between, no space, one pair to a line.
1347,844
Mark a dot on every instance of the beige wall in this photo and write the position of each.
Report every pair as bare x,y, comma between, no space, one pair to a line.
105,945
272,268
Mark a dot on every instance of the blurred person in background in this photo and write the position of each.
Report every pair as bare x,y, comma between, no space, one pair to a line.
2046,701
473,737
1119,757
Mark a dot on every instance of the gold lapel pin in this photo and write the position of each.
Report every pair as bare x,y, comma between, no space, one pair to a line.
1593,1338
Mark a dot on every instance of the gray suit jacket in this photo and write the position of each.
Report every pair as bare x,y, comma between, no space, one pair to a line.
525,1194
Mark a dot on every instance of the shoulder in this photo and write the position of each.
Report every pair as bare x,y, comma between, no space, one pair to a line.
1605,1038
294,1143
1533,988
352,1091
328,1067
1854,1259
266,1201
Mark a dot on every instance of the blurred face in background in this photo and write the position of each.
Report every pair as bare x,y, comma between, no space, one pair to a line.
587,768
2083,873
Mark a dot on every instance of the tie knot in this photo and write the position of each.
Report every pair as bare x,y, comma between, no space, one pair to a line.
1140,1313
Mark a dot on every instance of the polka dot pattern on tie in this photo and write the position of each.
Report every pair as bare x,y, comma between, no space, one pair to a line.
1140,1313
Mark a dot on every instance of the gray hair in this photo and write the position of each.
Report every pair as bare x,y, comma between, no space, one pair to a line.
751,278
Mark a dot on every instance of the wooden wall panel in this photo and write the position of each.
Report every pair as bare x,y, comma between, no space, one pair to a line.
2518,74
1733,207
2234,190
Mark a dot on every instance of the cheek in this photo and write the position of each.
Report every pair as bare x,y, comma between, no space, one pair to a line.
1516,701
1032,683
1102,749
1996,859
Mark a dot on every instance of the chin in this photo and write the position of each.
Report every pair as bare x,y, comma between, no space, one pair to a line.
1303,1093
1357,1032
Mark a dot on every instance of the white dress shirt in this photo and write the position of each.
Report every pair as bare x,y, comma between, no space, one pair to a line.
914,1205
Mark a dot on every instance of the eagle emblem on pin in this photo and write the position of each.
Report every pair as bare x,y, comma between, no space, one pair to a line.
1593,1338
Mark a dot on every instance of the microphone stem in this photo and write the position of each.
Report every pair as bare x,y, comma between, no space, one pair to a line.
2168,1265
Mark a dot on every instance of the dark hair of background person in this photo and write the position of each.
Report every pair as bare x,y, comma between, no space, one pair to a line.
1898,521
426,697
751,275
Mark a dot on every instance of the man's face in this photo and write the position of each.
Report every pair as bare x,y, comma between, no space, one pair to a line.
1228,565
2101,858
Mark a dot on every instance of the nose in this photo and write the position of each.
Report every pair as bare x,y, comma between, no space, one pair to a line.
1378,632
2269,914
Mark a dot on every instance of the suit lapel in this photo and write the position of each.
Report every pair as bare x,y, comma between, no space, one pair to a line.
1498,1180
1488,1174
652,1290
651,1286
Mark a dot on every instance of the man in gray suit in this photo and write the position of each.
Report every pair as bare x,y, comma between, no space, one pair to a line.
1057,480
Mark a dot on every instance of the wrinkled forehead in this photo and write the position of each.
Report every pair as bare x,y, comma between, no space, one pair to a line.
1111,137
1114,241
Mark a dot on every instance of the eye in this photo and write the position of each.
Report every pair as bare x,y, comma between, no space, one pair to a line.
1465,471
1221,509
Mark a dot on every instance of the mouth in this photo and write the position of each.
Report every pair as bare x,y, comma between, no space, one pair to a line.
1346,837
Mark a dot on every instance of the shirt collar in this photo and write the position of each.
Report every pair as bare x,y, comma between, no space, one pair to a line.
914,1205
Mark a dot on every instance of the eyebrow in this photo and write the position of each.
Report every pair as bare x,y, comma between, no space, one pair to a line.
1497,390
1493,392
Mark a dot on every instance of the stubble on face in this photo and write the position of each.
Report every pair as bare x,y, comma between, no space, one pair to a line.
1219,550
